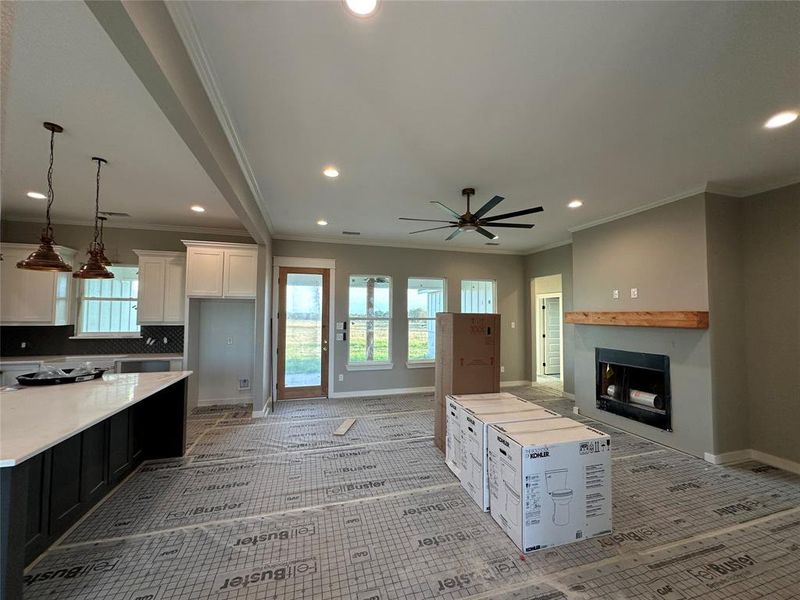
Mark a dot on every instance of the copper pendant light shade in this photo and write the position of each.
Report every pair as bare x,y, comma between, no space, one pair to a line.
45,258
103,258
95,268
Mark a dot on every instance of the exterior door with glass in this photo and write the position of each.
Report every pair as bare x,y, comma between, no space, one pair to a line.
303,329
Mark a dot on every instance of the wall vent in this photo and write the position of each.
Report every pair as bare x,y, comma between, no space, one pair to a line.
351,233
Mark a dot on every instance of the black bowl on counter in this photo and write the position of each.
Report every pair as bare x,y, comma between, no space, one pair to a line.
30,378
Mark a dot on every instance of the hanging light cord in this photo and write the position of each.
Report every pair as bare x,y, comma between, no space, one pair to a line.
50,193
97,207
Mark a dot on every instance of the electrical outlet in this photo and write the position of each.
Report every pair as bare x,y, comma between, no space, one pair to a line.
244,383
165,340
341,377
23,345
502,369
615,294
513,324
634,292
229,341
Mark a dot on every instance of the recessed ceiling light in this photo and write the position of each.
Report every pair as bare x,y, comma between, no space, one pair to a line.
781,119
575,203
322,222
198,209
361,8
330,172
36,195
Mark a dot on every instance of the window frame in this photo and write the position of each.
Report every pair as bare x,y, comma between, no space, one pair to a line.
372,365
81,298
494,294
422,362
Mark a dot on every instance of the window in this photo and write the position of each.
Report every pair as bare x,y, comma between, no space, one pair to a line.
426,297
370,309
108,306
478,296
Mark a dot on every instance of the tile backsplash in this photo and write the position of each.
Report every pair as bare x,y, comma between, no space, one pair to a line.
44,340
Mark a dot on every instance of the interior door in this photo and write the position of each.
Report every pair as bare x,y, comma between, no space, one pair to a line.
551,327
303,326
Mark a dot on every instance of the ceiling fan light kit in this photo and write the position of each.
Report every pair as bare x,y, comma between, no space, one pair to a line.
475,221
45,257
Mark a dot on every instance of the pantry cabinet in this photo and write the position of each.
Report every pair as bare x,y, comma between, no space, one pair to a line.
34,297
221,270
161,287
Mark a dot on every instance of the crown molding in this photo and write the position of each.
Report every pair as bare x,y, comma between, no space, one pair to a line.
639,209
385,244
137,225
537,249
184,23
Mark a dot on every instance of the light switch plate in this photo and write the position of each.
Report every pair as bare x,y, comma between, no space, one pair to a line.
339,325
502,369
341,377
634,292
615,294
339,336
513,324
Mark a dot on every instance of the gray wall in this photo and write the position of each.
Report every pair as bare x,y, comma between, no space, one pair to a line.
772,333
551,262
725,255
662,252
119,242
400,264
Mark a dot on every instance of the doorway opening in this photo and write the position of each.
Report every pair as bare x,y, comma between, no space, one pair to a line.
548,336
302,352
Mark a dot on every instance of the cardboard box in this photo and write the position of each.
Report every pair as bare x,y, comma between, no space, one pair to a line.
488,402
467,361
474,473
535,425
550,487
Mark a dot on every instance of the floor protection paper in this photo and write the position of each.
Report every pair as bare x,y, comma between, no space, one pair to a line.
168,495
434,544
267,437
351,407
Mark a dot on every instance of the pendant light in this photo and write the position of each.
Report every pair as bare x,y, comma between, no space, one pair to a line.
94,267
45,258
103,258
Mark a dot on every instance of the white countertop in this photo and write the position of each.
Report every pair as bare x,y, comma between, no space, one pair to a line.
56,358
33,419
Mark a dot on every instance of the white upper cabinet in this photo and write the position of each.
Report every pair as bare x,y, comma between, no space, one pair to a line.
161,285
34,297
221,270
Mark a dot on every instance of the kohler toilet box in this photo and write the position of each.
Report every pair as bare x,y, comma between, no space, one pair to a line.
453,451
535,425
474,474
550,487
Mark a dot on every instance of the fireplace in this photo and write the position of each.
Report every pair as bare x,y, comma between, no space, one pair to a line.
634,385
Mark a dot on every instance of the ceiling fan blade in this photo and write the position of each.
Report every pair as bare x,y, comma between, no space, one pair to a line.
517,213
432,229
446,209
457,232
485,233
515,225
488,206
426,220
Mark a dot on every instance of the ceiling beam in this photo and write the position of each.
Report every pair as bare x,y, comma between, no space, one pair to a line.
147,38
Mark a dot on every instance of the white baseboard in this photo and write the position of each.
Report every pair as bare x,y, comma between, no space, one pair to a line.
257,414
728,458
384,392
223,401
776,461
506,384
737,456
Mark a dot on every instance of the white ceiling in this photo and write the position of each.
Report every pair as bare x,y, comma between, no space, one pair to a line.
620,104
64,68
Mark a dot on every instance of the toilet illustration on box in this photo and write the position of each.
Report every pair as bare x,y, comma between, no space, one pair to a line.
561,496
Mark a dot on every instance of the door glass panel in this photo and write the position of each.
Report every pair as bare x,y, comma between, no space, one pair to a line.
303,347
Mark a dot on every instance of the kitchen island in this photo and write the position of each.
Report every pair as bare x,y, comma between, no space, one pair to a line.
64,447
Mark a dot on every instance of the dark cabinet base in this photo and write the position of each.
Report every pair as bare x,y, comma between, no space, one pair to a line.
44,496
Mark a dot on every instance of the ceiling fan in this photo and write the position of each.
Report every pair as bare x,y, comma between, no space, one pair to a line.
476,221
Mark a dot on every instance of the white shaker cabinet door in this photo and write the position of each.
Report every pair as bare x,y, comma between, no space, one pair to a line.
204,269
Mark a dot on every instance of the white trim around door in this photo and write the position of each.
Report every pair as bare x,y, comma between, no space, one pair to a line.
539,346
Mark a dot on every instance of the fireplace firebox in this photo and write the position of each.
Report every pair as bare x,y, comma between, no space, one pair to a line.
634,385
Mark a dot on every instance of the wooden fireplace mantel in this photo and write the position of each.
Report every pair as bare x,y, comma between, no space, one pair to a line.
684,319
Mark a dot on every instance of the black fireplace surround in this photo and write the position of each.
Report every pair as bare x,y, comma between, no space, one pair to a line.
634,385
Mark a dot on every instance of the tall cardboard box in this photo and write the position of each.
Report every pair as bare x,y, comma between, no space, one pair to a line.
550,487
467,361
474,475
